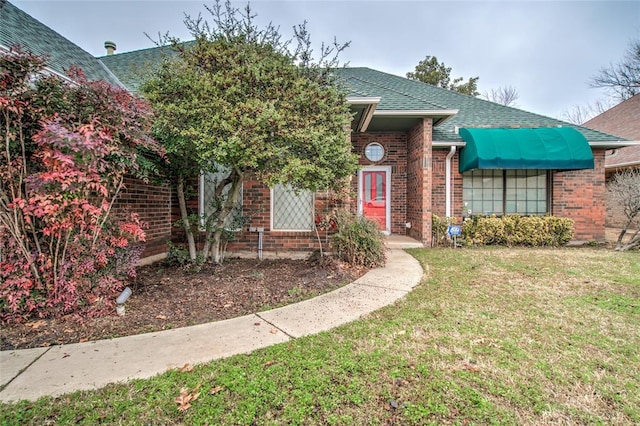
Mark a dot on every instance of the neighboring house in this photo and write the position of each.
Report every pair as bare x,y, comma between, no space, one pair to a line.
423,150
621,120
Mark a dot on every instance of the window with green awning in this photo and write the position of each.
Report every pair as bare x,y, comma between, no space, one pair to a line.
552,148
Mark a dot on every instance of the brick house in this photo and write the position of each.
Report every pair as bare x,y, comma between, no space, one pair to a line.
423,150
621,120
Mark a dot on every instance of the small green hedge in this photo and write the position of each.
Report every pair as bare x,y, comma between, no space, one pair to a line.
509,230
358,241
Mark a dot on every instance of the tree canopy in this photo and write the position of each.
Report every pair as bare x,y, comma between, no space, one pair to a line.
430,71
240,101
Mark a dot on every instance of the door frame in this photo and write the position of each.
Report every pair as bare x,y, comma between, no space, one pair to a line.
386,169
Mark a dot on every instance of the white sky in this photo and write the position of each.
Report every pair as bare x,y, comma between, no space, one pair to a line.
547,50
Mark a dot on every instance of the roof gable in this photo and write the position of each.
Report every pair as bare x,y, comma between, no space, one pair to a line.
397,94
19,28
622,120
402,93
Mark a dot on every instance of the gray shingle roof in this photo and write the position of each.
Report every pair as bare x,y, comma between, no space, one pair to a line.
396,93
18,28
401,93
132,67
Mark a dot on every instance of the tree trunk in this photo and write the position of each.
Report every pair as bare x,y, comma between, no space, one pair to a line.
216,251
624,232
633,242
193,254
214,235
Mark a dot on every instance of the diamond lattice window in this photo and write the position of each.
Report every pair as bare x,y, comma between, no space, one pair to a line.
291,211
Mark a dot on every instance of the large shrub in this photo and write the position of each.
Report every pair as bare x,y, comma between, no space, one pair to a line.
358,240
516,230
66,150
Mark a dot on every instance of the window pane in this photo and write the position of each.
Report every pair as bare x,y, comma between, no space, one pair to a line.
211,205
524,192
482,191
529,189
292,211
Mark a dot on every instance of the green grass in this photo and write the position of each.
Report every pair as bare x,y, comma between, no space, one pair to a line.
491,336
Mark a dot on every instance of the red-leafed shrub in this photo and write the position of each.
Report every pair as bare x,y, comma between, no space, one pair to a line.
66,149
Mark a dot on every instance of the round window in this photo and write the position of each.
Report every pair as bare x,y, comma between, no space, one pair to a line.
374,152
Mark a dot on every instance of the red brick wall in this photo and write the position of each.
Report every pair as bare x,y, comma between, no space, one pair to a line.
395,148
439,185
153,205
419,181
580,195
257,207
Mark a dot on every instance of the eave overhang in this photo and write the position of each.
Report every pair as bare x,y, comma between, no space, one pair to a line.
364,108
385,120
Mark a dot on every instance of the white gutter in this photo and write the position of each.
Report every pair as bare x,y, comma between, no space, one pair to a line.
613,144
443,144
597,144
363,100
620,165
416,112
447,180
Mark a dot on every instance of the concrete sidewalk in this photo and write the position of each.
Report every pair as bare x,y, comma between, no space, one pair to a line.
33,373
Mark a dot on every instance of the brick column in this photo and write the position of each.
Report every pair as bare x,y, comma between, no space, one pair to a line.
419,181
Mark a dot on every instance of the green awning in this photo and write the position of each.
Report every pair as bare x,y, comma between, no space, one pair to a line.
557,148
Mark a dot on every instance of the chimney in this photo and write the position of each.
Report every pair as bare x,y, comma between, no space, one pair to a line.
110,46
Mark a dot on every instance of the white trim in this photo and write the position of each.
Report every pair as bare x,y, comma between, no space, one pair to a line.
313,210
620,165
201,199
416,112
386,169
596,144
448,181
443,144
367,114
363,100
613,144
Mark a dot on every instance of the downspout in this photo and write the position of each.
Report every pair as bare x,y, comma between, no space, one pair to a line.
447,178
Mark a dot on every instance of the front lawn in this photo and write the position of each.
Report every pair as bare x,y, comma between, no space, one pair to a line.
503,336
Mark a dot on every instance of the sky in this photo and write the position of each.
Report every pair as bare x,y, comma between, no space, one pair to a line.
547,50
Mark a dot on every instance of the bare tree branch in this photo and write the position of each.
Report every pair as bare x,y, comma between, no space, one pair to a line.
503,95
622,80
624,190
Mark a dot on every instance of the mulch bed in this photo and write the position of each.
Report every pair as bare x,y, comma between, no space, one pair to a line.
166,297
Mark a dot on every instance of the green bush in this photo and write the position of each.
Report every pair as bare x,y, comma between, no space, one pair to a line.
516,230
439,226
440,230
358,241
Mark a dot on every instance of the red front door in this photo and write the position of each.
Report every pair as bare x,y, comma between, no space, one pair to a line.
373,193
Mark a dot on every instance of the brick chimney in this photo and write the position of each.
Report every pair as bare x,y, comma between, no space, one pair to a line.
110,46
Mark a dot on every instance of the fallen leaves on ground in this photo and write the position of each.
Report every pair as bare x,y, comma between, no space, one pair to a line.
186,397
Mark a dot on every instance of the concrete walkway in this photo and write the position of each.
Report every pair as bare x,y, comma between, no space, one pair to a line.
56,370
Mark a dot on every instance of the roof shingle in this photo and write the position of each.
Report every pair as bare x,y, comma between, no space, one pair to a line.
18,28
396,93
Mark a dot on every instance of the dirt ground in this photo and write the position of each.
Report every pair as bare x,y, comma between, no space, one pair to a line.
166,297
